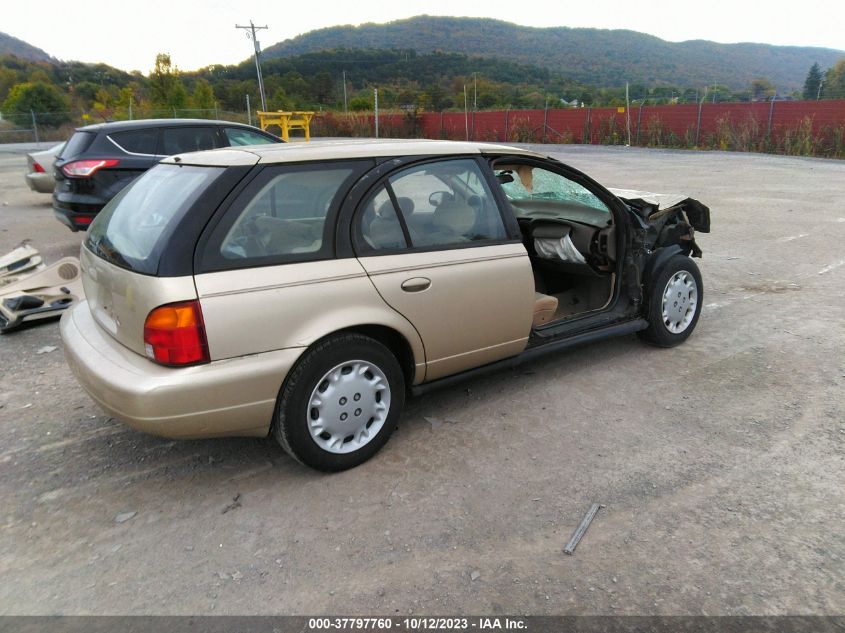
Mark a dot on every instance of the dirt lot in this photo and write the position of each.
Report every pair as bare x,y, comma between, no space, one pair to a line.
720,463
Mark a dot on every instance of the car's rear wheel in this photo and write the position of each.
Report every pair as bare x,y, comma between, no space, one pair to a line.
674,303
341,403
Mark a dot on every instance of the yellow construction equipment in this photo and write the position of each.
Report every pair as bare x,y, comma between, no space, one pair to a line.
287,121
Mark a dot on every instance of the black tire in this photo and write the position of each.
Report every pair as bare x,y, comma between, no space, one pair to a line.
292,419
659,331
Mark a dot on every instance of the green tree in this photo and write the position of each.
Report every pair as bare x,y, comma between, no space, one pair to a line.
86,92
202,97
834,81
813,82
166,89
8,78
279,101
294,85
360,104
40,98
761,89
322,88
39,75
487,100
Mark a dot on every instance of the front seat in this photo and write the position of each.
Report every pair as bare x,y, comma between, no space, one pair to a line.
453,220
545,307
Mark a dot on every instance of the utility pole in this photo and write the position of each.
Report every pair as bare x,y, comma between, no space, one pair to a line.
475,92
251,29
344,92
248,111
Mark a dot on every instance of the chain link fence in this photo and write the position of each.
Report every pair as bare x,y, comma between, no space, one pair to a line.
40,127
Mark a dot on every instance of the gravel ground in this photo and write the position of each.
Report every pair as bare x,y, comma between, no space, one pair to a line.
719,463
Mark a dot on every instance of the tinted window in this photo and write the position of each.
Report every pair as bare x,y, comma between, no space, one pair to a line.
447,203
283,215
239,136
137,141
78,143
176,140
128,231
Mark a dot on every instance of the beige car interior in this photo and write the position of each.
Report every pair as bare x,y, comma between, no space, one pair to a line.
572,253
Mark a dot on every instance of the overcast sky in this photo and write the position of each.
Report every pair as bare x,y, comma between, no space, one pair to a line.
197,33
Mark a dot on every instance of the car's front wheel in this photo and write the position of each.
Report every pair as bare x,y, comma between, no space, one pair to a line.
341,403
674,303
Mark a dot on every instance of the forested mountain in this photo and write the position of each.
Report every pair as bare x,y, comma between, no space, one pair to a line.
596,57
13,46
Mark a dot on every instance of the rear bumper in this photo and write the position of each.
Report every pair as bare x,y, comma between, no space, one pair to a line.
40,182
223,398
74,221
76,211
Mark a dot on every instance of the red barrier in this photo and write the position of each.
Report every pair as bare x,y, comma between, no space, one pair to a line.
650,125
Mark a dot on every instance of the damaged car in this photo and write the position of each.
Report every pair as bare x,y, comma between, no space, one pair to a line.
304,292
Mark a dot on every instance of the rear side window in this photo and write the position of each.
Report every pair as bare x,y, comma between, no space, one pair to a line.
239,136
133,227
77,144
177,140
286,214
441,204
137,141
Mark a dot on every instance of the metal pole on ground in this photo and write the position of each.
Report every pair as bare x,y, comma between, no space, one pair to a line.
344,93
698,122
466,115
375,98
248,111
628,113
639,119
545,119
34,126
769,125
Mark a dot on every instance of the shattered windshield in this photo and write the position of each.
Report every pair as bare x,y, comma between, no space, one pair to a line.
524,182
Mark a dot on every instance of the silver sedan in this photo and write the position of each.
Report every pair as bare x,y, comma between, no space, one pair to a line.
39,174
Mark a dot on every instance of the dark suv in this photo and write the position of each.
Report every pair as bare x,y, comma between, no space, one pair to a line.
100,160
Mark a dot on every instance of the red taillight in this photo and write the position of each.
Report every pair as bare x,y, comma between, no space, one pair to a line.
37,168
81,219
87,168
174,334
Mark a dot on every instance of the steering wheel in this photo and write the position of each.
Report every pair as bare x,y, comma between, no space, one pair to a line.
436,198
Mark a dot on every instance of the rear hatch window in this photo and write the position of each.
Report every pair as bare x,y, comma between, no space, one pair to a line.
133,228
77,144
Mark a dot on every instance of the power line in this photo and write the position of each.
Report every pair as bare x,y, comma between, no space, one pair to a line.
251,29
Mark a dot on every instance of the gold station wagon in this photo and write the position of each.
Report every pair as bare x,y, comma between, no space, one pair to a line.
306,290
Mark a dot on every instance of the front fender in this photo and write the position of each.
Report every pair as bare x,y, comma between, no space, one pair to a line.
655,263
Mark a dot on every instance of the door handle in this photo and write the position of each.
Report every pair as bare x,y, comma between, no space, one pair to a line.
417,284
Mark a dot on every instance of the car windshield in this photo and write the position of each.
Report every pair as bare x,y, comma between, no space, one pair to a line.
128,231
524,182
